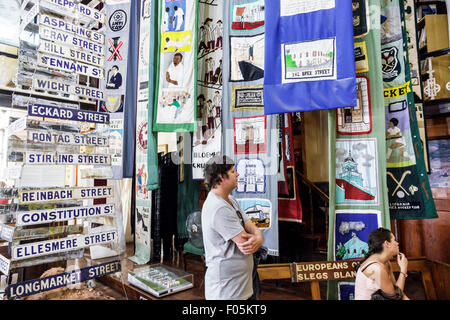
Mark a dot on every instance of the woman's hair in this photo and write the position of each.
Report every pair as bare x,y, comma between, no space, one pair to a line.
216,166
376,239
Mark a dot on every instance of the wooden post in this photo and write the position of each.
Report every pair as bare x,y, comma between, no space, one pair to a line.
315,290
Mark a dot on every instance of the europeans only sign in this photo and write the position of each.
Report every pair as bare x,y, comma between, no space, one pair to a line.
40,110
324,270
53,195
28,218
42,248
30,287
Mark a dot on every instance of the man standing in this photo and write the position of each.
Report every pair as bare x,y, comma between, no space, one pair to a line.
179,16
175,72
229,237
115,82
165,20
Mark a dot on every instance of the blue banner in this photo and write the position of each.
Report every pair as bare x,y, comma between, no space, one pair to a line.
309,60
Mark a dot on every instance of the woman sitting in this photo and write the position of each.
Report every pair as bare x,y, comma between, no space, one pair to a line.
374,277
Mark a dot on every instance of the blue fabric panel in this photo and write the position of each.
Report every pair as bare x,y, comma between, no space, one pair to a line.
309,95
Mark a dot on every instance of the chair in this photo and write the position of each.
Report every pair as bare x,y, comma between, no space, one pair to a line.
194,245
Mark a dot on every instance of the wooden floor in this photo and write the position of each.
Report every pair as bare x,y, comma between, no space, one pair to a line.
270,289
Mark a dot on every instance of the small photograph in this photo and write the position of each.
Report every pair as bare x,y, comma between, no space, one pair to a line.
258,210
174,75
250,135
358,119
173,16
248,16
112,104
247,58
351,234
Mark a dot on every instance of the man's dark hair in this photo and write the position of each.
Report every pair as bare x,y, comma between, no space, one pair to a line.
114,66
178,55
215,167
394,121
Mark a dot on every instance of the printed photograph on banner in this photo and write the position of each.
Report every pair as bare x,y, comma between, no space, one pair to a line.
404,189
293,7
258,210
176,41
247,15
361,58
141,180
309,60
392,63
358,119
209,124
115,141
247,98
346,290
173,69
361,19
399,145
142,225
210,32
112,104
250,135
252,177
290,192
114,78
356,172
351,233
247,58
439,151
173,15
391,23
172,107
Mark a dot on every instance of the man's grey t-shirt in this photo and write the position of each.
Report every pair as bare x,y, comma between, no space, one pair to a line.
229,273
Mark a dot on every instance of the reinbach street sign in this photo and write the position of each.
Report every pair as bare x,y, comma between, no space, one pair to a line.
66,158
70,40
68,88
53,195
40,110
72,7
67,52
30,287
324,270
63,64
53,137
28,218
42,248
62,25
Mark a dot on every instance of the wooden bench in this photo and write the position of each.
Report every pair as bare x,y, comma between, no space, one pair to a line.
288,271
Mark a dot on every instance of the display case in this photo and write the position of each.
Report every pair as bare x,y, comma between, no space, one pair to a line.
160,280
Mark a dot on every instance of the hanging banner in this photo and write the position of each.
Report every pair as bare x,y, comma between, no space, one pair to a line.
407,180
41,248
40,110
143,194
357,157
177,67
35,286
250,138
28,218
207,138
289,203
54,195
302,57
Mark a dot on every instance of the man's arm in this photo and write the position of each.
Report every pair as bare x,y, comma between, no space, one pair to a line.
249,240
